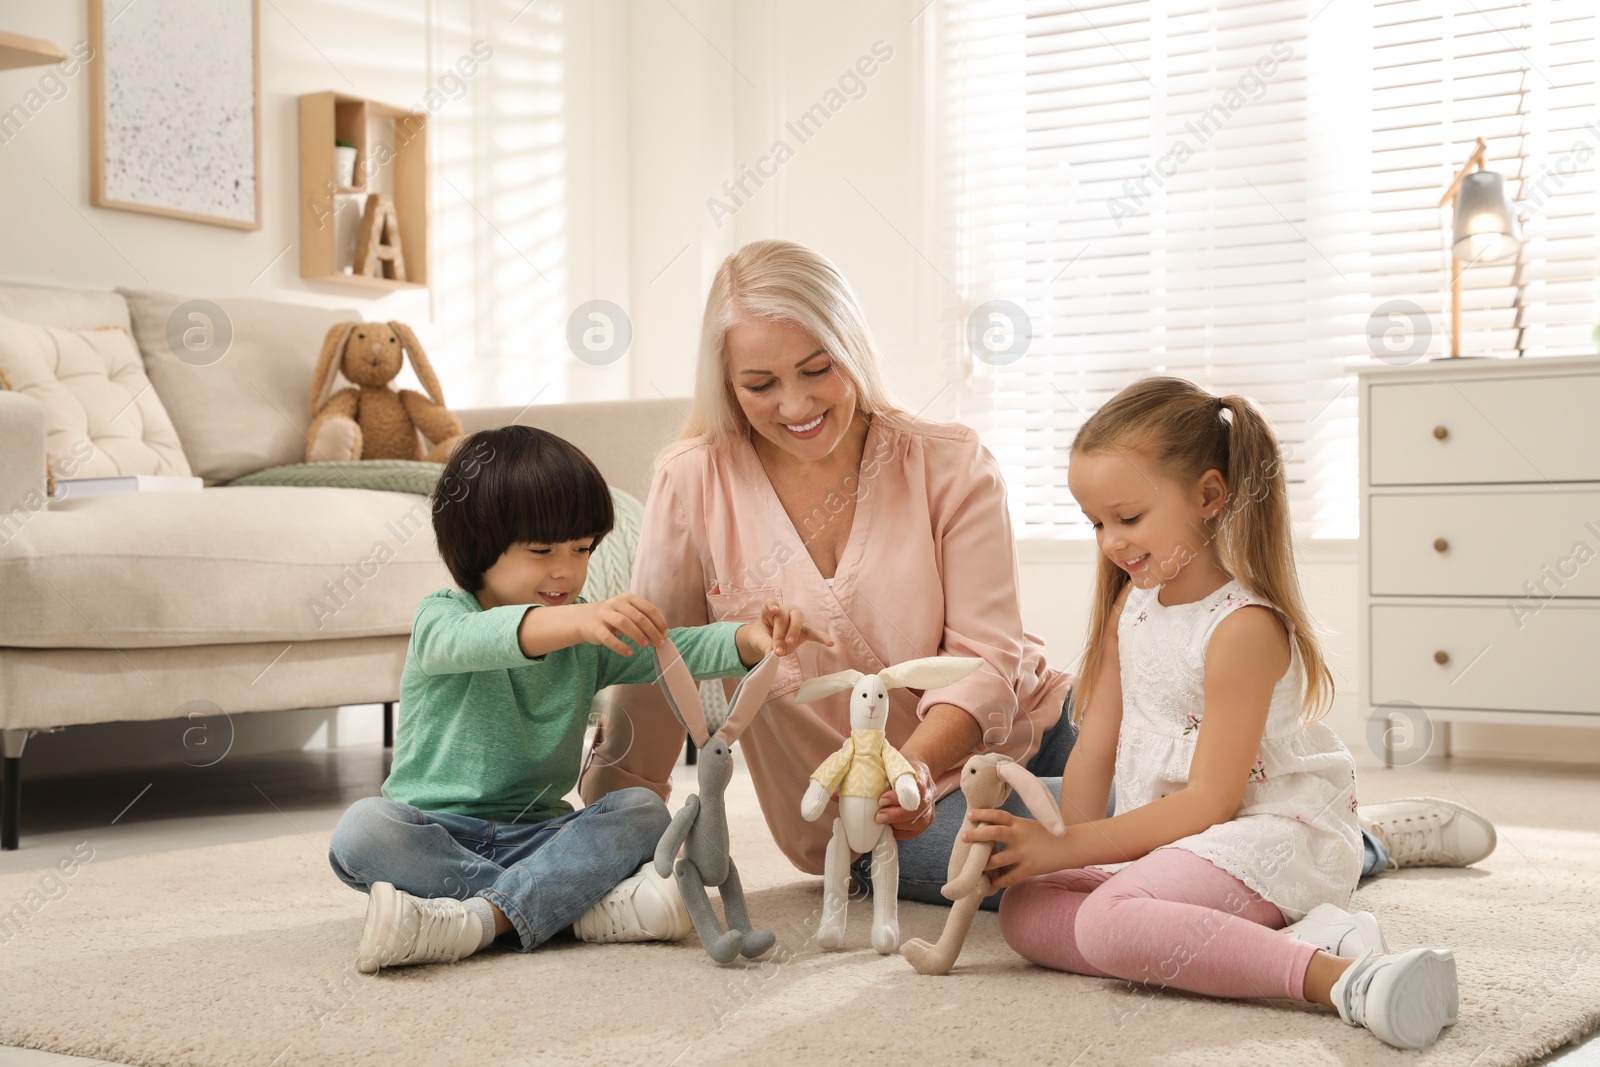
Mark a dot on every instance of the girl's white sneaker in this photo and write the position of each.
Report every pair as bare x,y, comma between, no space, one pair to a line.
1405,999
402,930
1338,932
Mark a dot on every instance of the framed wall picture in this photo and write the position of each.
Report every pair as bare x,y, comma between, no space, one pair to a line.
175,119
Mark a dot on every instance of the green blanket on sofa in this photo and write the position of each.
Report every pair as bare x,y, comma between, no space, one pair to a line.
610,570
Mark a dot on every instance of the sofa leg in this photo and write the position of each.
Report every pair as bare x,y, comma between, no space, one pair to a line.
690,754
388,724
11,800
10,805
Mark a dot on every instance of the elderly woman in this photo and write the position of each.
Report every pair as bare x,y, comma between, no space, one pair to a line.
798,474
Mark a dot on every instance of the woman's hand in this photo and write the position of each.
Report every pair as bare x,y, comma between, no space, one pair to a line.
908,823
1029,849
782,629
945,737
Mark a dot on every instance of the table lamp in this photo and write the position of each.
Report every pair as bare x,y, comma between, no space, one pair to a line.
1485,228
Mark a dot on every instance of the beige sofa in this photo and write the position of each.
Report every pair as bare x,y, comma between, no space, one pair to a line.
131,606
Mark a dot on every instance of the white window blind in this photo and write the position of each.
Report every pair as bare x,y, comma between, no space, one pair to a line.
1227,191
1521,75
500,148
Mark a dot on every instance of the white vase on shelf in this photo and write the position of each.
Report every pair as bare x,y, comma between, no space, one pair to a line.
344,167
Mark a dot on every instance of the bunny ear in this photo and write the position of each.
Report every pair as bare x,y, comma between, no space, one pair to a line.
677,685
748,698
935,672
419,361
1035,796
323,377
825,684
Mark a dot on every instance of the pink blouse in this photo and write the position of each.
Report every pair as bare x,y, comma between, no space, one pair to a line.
929,569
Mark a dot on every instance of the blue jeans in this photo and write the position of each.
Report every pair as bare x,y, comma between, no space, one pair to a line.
543,876
1374,856
925,859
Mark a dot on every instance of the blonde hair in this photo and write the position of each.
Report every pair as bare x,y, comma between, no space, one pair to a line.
780,281
1181,427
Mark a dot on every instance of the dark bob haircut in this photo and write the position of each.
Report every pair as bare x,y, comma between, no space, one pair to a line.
514,484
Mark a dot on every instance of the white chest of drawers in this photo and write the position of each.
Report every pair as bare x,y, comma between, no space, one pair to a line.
1480,546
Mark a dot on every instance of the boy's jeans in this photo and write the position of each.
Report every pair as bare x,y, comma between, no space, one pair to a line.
544,876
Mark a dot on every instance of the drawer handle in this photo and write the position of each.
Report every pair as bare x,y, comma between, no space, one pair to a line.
1440,433
1441,545
1441,657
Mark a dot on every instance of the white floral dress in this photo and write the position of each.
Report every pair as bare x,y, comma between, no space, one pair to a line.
1294,839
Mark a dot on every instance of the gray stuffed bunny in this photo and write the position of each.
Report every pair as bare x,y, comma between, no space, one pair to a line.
700,827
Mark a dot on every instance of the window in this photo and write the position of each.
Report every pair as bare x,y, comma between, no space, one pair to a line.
1227,192
1521,76
500,147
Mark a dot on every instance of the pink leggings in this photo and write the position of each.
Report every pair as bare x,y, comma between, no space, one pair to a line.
1169,919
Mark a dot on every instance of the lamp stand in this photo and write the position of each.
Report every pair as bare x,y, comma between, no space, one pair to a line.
1475,160
1455,307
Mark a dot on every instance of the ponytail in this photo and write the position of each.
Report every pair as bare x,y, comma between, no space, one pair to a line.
1255,540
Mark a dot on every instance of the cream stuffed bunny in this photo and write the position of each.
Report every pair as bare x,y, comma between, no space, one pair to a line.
859,772
986,781
372,421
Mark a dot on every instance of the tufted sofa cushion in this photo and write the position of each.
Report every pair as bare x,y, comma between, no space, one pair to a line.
101,415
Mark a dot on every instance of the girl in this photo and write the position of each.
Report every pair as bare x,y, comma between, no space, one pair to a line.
1201,687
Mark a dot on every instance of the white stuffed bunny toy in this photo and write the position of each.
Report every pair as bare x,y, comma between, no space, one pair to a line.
859,772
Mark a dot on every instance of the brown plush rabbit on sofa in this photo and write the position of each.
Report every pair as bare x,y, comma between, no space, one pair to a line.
372,421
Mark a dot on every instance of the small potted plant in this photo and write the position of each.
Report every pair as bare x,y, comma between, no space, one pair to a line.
344,163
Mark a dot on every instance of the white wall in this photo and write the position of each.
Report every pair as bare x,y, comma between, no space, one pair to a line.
529,200
578,164
853,186
575,164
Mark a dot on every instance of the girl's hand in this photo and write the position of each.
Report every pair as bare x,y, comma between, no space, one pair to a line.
627,613
783,630
1030,849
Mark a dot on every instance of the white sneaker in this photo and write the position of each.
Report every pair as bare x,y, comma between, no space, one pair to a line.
402,930
1428,832
643,907
1338,932
1405,1000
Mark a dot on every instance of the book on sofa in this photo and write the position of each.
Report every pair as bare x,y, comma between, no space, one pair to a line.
73,488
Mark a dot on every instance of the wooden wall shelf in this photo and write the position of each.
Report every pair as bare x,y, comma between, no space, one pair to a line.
19,51
367,281
387,139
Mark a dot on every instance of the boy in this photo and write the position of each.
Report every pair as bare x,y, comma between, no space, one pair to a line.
471,838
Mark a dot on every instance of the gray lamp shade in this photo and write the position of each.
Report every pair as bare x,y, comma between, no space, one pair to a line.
1485,226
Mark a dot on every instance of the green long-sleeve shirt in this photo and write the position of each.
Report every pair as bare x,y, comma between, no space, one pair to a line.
487,732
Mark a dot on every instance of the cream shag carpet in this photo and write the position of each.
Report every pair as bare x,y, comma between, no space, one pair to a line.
244,954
